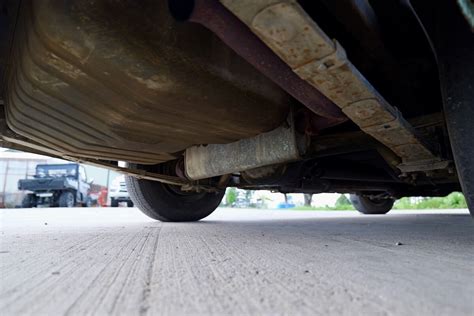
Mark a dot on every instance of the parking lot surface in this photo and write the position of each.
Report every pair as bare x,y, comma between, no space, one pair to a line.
117,261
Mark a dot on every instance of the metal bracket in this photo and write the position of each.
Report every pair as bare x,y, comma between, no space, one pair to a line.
332,61
424,165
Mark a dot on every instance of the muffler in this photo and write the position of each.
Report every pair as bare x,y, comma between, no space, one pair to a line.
280,145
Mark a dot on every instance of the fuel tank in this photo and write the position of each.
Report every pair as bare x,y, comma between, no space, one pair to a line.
122,80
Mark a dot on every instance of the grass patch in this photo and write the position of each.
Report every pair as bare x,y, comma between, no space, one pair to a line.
451,201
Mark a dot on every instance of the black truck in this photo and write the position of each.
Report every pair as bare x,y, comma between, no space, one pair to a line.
63,185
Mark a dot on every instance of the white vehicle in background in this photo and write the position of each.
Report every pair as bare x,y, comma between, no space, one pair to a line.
118,192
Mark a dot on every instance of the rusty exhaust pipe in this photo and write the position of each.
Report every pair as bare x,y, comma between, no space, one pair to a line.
215,17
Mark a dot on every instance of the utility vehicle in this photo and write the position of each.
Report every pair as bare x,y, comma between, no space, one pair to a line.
63,185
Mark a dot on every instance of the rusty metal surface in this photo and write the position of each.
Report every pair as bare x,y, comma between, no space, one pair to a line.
236,35
121,80
297,39
278,146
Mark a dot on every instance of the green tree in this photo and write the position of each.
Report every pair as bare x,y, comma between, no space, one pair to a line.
342,202
231,196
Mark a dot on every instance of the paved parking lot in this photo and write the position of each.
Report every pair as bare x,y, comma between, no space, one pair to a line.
101,261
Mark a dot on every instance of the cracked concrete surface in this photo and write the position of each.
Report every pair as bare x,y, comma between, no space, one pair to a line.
117,261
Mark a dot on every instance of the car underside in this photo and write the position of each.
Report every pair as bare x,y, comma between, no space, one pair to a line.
368,97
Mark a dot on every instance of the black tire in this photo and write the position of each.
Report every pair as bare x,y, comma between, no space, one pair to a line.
66,199
114,203
456,63
365,205
168,204
129,203
28,201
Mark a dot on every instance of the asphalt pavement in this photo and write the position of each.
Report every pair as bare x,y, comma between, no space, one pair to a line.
244,262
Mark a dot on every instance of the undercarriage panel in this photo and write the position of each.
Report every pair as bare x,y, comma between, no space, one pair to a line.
121,80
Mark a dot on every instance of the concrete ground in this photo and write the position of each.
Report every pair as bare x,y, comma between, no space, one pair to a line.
117,261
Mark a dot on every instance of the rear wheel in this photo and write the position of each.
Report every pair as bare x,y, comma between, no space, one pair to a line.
114,203
168,203
367,205
28,201
66,199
